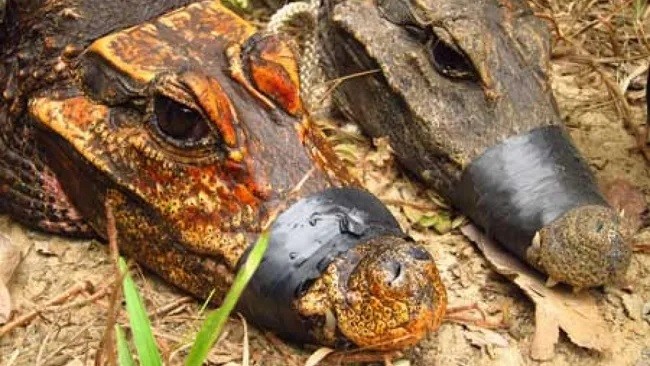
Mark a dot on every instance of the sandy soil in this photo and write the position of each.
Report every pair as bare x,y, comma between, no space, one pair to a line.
587,54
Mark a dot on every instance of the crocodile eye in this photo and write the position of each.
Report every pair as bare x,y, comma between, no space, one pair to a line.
179,123
450,61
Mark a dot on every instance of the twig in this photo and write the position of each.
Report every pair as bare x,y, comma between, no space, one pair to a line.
66,344
641,248
41,348
78,288
639,134
107,344
245,354
483,322
103,291
581,55
170,306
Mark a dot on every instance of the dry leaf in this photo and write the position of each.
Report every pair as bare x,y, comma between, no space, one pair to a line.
9,259
626,198
633,306
481,337
555,308
318,356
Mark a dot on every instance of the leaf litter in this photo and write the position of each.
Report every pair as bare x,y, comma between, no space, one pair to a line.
555,308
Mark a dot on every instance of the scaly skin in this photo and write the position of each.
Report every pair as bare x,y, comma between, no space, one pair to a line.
591,232
376,308
188,123
447,81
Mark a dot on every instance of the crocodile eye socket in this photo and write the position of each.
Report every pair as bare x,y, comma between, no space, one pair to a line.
450,62
179,123
418,33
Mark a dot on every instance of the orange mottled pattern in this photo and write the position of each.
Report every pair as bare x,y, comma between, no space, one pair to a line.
192,128
274,72
148,49
210,197
216,105
370,305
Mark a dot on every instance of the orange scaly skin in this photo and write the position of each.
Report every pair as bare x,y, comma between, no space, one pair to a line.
374,307
189,124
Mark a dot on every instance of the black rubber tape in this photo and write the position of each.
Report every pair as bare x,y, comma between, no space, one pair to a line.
303,242
517,187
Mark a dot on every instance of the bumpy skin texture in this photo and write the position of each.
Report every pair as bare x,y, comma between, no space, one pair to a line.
451,79
375,309
183,118
586,232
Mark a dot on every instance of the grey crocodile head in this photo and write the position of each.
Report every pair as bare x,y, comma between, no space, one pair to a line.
447,81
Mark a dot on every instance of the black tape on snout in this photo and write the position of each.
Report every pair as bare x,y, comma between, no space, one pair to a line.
303,242
521,185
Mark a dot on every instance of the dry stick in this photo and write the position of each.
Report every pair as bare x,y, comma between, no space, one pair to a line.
78,288
66,344
611,34
582,59
641,248
622,107
483,322
641,35
170,306
245,354
638,29
41,348
640,134
338,81
107,344
103,291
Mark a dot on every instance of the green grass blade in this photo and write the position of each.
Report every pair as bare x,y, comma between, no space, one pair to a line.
215,320
124,357
145,344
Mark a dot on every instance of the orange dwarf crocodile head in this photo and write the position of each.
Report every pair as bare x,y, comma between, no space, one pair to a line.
190,127
192,113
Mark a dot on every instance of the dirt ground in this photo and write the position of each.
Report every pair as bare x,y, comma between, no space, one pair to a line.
601,55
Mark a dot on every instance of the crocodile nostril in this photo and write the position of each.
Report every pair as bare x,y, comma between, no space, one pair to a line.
420,254
394,272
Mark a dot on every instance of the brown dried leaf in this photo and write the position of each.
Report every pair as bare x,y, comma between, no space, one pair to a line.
482,337
627,198
555,308
9,259
633,305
